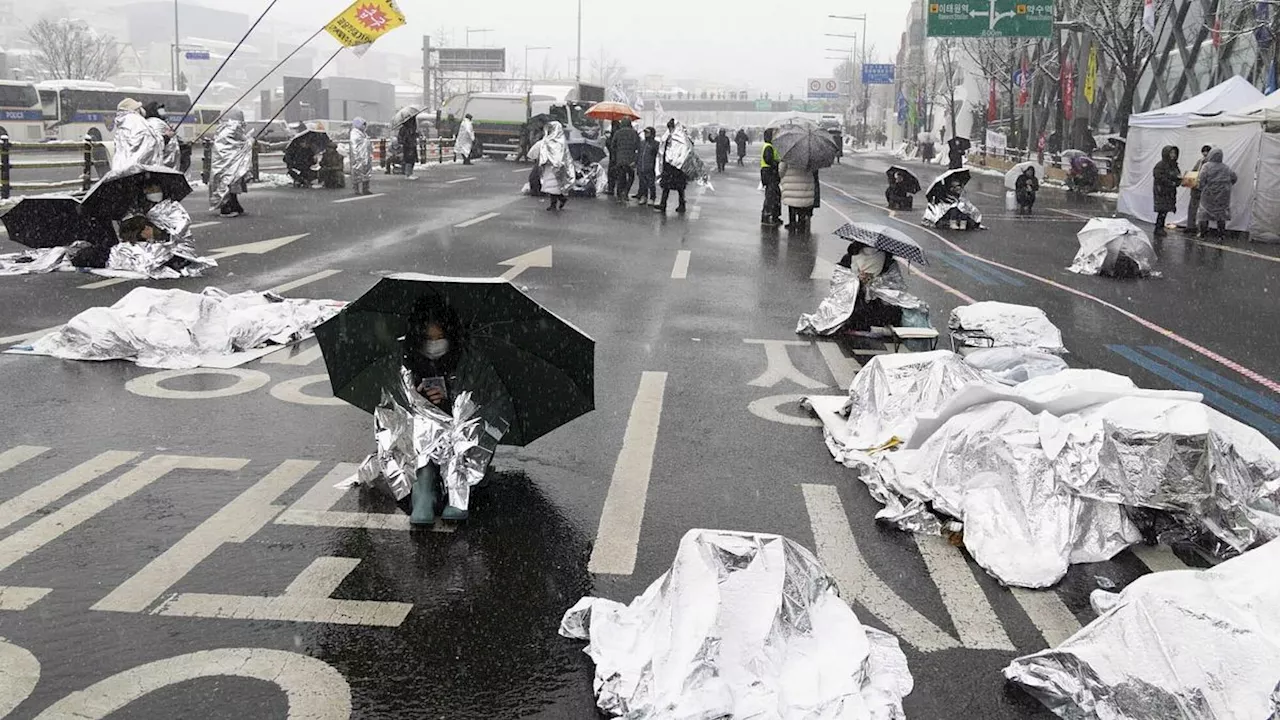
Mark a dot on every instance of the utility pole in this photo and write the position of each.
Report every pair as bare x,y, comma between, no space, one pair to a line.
176,48
426,72
579,76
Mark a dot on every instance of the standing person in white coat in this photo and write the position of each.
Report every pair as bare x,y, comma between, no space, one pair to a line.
556,165
799,195
466,140
361,155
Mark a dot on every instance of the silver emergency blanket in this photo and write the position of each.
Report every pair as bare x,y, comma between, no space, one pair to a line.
837,308
232,161
1015,365
361,155
169,150
1216,475
465,140
411,432
175,329
934,213
993,469
1104,240
34,262
1193,644
155,261
891,391
136,142
681,153
743,625
997,324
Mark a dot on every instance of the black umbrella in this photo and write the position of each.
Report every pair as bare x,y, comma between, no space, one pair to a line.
910,183
806,146
307,144
586,152
881,237
546,365
959,143
960,174
53,221
118,194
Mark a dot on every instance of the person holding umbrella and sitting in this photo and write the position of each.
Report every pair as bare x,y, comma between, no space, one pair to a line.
442,366
1025,190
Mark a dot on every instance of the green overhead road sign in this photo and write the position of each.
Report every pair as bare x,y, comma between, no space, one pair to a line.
991,18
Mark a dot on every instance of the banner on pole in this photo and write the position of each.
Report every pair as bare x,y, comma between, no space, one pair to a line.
365,21
1091,76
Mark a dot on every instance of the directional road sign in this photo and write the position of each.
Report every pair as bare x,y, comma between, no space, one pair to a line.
991,18
877,74
197,55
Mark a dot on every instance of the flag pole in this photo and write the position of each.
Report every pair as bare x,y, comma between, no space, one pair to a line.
299,92
225,60
254,86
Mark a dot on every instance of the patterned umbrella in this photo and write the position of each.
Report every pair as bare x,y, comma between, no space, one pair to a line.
880,237
610,110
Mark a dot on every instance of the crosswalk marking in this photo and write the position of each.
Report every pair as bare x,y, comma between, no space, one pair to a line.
14,457
971,613
1048,613
618,538
1158,558
838,551
17,599
681,269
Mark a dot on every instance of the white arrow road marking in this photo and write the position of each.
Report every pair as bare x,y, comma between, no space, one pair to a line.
843,369
477,221
460,180
358,198
779,367
105,283
681,269
211,223
294,285
839,553
14,457
260,247
540,258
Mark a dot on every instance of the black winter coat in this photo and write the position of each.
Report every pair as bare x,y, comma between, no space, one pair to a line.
1167,177
624,145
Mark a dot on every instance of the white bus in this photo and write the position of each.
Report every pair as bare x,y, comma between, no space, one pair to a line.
76,108
20,115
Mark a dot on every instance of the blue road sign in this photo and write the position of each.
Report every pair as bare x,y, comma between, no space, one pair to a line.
877,74
197,55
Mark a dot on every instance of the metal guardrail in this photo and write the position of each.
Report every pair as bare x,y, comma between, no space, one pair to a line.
7,166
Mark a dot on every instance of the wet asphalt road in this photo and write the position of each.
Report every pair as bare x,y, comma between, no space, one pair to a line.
243,511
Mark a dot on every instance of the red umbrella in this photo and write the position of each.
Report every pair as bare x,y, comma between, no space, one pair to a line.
611,110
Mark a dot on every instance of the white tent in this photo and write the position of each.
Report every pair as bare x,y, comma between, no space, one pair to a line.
1263,178
1186,126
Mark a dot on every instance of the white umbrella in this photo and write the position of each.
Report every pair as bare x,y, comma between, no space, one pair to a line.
1104,240
1011,177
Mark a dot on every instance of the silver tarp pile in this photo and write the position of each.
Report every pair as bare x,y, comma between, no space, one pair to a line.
742,626
837,308
997,324
1051,471
1105,241
1014,365
411,432
1182,644
34,262
175,329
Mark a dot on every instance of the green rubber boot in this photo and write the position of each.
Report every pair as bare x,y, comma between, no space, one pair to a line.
423,496
453,514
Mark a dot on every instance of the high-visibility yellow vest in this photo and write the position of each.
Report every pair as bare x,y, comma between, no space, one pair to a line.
767,148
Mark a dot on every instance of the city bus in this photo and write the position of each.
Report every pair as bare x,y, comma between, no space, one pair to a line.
73,109
21,117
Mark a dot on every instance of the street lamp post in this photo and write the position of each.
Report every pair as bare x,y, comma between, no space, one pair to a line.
579,41
866,91
528,76
176,43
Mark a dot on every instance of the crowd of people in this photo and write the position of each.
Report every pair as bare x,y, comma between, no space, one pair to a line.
1210,181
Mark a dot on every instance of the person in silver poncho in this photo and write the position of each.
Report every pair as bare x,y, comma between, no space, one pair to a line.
154,114
136,142
442,366
361,155
556,166
232,163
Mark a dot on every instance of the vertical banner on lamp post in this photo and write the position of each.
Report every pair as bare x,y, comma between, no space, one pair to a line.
1091,76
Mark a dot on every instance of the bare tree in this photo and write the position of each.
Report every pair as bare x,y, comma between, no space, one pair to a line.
607,70
1127,47
947,77
71,50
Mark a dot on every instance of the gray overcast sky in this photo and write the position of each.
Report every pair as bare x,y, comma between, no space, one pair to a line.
714,40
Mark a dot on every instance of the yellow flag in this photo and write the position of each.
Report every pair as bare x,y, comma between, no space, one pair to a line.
365,21
1091,76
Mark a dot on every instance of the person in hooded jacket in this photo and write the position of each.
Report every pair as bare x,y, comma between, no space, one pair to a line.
1025,189
231,166
556,164
153,113
722,150
1164,190
1193,207
136,141
1216,181
646,164
408,136
673,178
464,146
741,140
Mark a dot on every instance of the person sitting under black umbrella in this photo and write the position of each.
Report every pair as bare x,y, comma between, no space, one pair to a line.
902,186
442,366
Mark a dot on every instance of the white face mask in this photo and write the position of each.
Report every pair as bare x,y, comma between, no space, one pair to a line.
436,349
155,197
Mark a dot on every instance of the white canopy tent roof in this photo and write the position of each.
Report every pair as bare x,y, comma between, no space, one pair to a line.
1266,110
1227,97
